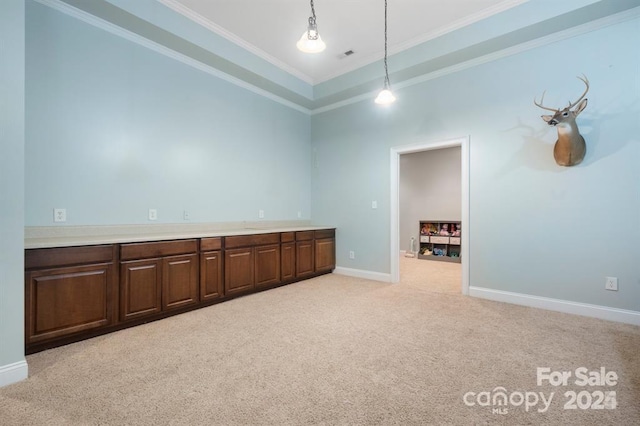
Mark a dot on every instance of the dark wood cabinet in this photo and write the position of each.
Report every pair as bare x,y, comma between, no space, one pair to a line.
304,254
288,261
68,300
211,280
68,291
287,256
267,266
157,277
325,255
179,281
72,293
238,267
251,261
140,288
211,269
325,250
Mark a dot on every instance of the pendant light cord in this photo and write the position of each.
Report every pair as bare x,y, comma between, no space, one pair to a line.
313,12
386,69
312,24
385,97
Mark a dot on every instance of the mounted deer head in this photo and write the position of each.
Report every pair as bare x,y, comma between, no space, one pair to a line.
570,147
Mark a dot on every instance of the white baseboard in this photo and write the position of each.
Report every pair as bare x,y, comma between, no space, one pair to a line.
576,308
359,273
12,373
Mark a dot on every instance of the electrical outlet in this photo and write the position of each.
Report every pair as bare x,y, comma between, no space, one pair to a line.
611,283
299,215
59,215
374,204
261,214
352,255
153,214
186,215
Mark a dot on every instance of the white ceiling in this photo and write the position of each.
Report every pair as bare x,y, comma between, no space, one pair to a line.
271,28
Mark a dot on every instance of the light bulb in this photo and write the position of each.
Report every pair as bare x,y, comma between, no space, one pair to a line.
385,97
307,43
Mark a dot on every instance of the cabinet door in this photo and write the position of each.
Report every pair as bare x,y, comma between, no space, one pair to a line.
304,258
140,288
211,283
62,301
267,265
179,281
325,254
288,261
238,270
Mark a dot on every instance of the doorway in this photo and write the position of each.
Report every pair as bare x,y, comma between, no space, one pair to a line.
463,143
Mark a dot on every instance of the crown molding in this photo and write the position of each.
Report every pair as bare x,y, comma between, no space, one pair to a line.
90,19
543,41
397,48
456,25
178,7
595,25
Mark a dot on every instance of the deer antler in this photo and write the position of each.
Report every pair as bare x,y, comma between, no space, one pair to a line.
586,82
542,106
571,105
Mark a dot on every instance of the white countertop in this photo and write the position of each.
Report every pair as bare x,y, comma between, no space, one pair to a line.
69,236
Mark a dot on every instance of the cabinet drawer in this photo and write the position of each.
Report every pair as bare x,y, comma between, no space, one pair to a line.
424,238
287,237
251,240
325,233
210,244
454,241
304,235
158,249
64,256
439,240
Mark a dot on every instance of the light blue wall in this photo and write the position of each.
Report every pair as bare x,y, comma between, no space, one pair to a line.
158,14
11,183
526,15
536,228
114,129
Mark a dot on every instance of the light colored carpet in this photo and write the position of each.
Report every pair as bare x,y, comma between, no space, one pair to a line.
431,275
330,350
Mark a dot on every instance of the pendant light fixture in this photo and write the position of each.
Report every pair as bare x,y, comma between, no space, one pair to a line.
310,42
385,97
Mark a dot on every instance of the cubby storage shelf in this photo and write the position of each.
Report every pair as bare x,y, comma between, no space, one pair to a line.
440,240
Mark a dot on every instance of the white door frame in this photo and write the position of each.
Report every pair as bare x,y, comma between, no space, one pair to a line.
462,142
